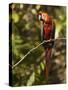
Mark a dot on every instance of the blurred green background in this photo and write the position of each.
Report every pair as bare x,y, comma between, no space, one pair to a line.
26,35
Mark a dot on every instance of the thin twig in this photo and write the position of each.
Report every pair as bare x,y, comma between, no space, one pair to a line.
34,49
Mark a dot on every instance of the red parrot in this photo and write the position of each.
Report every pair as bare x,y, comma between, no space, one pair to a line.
47,33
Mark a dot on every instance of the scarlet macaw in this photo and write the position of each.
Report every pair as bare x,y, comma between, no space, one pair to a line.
47,33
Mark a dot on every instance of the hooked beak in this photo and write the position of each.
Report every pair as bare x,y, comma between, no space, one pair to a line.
40,17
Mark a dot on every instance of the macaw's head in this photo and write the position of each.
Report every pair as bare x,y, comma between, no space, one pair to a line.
44,17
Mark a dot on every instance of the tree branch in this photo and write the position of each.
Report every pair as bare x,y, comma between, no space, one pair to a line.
34,49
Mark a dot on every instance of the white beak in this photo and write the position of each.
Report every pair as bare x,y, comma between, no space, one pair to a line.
40,17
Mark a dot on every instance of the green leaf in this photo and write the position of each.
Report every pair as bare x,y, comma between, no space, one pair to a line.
31,79
38,70
15,17
42,66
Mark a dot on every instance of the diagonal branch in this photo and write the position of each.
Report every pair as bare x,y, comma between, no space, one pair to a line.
34,49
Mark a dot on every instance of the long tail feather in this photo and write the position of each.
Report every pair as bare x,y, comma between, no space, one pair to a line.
48,61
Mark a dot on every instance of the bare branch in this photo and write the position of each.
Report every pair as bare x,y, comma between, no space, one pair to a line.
34,49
